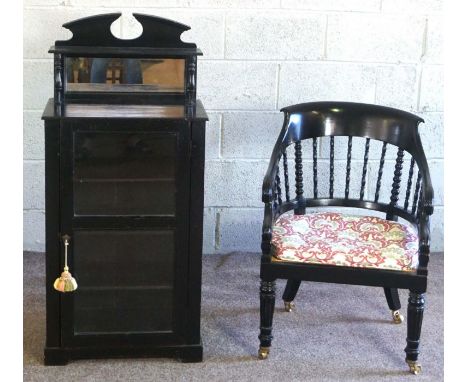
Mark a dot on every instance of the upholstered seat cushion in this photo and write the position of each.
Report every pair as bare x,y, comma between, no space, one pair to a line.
345,240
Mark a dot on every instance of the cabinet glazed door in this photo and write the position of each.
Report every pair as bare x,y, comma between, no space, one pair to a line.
124,201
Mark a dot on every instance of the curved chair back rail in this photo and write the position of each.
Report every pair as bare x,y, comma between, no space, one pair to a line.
384,129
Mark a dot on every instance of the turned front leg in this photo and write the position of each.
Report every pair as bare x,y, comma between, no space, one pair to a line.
267,307
415,317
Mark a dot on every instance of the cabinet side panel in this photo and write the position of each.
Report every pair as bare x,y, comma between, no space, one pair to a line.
52,187
197,191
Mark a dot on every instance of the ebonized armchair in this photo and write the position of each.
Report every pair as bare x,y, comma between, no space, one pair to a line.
343,248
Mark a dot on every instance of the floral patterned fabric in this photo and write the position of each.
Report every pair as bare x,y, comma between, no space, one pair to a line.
345,240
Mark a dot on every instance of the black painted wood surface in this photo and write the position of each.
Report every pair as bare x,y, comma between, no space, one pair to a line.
125,180
392,127
95,31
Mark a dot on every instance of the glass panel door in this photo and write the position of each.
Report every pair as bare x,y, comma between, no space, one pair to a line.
125,205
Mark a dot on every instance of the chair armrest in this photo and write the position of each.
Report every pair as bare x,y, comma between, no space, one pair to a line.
424,226
267,229
425,210
268,196
269,179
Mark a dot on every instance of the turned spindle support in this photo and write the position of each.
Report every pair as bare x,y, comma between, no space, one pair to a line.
380,173
300,210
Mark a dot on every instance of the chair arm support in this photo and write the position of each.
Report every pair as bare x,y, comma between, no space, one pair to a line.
424,229
426,208
269,179
267,229
427,189
268,196
424,233
428,196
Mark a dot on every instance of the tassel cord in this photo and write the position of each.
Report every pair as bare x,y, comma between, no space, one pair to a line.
66,255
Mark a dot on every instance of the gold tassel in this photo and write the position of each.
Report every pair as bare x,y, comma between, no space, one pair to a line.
66,282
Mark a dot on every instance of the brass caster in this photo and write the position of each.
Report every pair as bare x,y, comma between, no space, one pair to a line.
398,318
288,306
414,367
263,352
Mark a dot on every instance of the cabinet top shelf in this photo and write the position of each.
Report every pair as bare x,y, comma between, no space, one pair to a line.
95,67
79,110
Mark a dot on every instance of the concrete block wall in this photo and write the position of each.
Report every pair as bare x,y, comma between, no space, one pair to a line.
260,55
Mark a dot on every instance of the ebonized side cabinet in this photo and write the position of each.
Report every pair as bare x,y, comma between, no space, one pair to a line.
124,144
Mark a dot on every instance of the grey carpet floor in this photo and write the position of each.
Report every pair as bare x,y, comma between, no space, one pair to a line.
336,333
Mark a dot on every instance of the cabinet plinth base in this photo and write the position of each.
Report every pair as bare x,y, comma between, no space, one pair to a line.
61,356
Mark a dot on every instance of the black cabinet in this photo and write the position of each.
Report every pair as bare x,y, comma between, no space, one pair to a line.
124,191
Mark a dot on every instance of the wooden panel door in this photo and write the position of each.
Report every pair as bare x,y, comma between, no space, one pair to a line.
125,204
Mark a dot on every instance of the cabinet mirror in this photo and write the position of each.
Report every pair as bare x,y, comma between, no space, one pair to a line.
97,74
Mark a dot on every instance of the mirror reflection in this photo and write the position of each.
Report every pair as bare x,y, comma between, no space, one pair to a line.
124,74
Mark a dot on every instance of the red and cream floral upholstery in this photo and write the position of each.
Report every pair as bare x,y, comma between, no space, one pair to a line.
345,240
